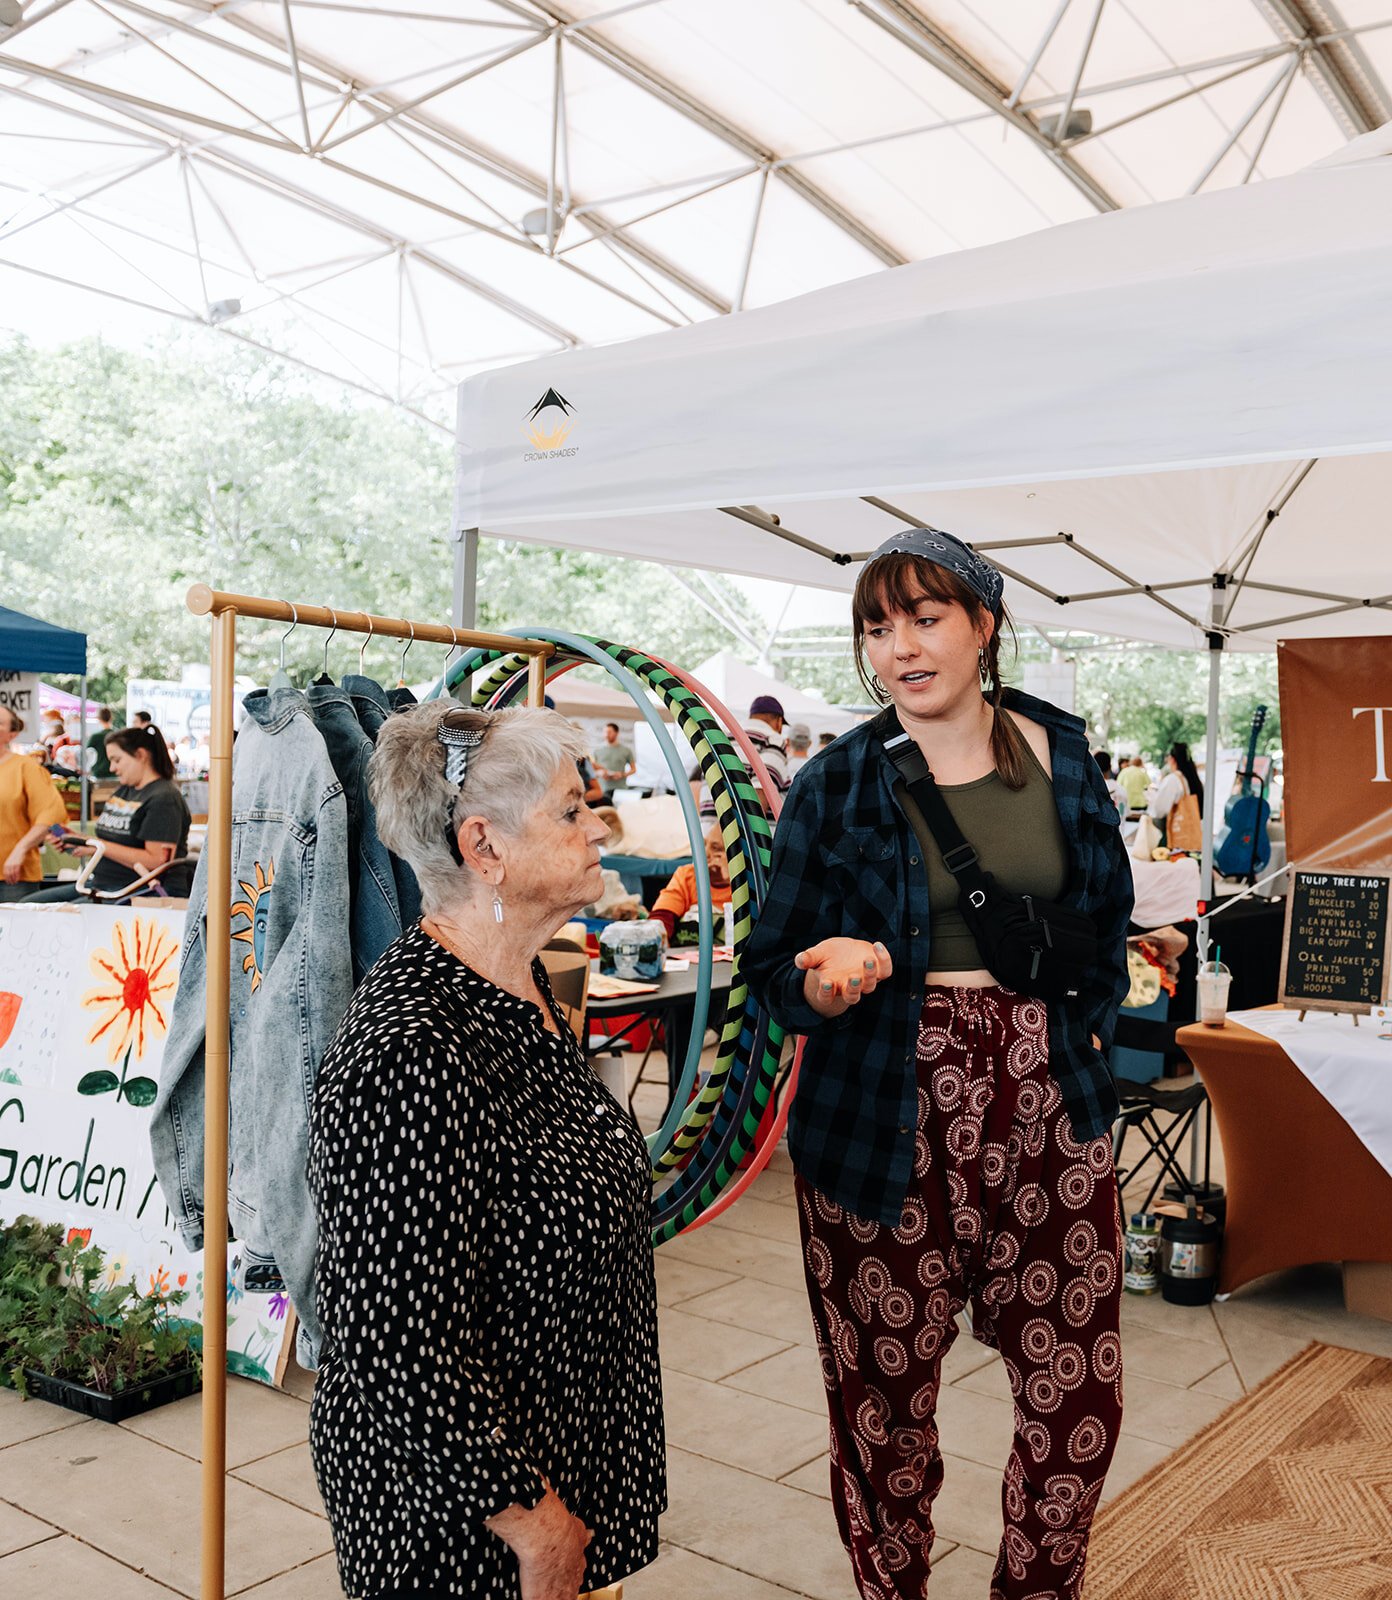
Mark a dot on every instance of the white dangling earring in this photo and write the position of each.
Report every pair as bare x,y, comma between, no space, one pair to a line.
497,906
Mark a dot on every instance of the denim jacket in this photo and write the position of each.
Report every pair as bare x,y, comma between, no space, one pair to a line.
372,708
374,911
291,981
846,863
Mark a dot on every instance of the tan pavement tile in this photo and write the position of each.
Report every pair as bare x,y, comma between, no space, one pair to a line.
814,1478
1256,1350
1222,1381
977,1426
968,1508
1306,1303
680,1280
780,1160
1166,1415
967,1355
794,1377
1148,1354
679,1575
762,1218
289,1475
260,1420
988,1379
774,1186
64,1567
961,1574
316,1580
140,1503
27,1419
724,1250
779,1313
18,1529
741,1430
709,1349
1154,1312
1133,1459
763,1528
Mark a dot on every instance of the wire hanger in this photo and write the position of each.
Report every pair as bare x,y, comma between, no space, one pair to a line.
324,677
280,678
362,647
401,678
450,648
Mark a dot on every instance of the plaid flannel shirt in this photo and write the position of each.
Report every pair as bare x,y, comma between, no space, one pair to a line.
846,863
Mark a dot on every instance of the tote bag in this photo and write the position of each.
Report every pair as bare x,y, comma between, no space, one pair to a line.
1184,827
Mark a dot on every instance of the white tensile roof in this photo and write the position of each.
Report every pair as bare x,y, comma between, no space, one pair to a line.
402,194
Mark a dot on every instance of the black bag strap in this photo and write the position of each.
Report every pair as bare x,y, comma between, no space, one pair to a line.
958,856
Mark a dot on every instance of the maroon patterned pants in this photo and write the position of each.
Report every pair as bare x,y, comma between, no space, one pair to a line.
1005,1209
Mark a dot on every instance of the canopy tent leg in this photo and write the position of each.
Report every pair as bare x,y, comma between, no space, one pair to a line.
84,782
466,550
1210,808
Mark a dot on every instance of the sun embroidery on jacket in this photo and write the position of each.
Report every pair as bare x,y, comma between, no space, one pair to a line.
256,909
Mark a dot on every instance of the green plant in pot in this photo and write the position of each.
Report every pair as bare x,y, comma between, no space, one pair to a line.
71,1335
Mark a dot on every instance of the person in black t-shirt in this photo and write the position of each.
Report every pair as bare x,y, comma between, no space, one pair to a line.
144,824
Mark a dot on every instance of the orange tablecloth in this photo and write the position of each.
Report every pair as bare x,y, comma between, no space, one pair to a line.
1301,1185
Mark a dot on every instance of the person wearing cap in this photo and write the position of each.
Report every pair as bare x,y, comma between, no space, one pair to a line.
487,1418
764,726
951,1137
799,748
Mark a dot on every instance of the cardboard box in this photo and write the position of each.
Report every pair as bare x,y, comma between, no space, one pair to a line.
1368,1288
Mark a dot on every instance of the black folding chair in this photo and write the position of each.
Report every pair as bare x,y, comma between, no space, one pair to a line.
1164,1117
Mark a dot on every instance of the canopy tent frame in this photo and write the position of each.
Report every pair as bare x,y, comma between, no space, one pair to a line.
52,650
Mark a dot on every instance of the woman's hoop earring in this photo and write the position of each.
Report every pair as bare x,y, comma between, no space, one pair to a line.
877,686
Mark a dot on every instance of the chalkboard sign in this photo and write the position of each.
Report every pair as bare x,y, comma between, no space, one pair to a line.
1336,952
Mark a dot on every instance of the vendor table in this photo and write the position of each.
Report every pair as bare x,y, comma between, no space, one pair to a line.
672,1003
1301,1185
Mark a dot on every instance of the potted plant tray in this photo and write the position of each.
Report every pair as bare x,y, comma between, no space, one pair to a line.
131,1402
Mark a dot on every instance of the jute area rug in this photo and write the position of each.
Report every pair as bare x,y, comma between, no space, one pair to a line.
1286,1496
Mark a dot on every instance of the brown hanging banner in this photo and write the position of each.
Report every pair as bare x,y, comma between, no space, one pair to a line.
1336,727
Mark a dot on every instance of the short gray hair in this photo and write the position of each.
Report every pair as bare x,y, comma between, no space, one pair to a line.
507,779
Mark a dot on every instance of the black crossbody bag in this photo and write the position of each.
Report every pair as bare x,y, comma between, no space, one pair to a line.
1033,946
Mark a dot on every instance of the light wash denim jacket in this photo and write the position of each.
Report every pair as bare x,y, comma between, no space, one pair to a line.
291,982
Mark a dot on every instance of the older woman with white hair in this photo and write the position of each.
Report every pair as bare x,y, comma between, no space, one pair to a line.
487,1419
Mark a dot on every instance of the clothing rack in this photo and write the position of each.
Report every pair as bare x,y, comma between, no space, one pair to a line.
224,609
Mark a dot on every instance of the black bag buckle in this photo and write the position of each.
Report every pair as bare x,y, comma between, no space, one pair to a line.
976,898
969,859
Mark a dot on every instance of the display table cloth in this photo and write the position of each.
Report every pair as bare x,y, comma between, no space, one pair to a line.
1166,891
1301,1185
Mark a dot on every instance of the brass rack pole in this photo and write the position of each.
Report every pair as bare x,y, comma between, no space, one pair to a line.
224,608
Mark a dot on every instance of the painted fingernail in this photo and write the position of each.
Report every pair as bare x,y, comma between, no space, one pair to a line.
855,983
826,988
870,966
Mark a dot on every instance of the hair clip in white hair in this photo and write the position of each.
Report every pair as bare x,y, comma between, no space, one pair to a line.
459,744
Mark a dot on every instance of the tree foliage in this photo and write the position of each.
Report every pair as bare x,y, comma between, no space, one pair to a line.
127,477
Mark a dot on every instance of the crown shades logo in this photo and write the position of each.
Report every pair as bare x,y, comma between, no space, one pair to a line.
548,427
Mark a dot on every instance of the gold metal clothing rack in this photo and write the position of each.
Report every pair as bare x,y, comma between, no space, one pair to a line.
224,609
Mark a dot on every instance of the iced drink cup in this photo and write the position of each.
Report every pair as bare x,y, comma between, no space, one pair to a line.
1213,994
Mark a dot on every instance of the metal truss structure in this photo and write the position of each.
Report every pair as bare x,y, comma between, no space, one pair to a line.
397,194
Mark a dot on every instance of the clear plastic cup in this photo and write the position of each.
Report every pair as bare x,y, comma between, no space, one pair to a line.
1214,981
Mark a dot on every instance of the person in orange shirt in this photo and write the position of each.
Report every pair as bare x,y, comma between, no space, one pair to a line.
679,897
29,806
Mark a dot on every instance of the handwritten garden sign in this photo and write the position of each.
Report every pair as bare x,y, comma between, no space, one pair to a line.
85,995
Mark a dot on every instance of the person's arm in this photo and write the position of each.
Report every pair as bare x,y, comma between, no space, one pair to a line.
45,808
1167,791
1109,982
161,828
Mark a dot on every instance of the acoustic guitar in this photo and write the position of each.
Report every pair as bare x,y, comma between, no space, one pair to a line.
1247,849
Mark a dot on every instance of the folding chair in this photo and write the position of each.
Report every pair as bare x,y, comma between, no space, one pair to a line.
1164,1117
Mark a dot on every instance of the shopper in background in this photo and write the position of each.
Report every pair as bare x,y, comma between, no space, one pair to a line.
799,748
613,760
680,896
764,725
950,1136
143,719
29,806
487,1419
1181,777
1103,758
98,765
144,824
1135,780
823,740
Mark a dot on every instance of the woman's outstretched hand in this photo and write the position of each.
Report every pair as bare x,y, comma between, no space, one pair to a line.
840,972
549,1543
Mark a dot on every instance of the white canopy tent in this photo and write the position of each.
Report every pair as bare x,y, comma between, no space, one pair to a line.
1168,423
738,684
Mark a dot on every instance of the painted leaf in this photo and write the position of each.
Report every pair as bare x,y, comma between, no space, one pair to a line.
141,1091
9,1012
102,1082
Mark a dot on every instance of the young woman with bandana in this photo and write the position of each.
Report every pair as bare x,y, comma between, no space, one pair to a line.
951,1136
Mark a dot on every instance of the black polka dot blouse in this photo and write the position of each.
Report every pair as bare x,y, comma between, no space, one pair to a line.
485,1280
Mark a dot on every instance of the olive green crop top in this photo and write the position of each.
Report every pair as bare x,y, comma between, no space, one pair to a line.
1018,838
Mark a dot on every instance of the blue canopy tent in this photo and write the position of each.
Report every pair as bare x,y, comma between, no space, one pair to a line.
30,645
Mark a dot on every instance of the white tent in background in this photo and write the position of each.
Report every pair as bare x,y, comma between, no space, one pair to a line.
737,684
1169,423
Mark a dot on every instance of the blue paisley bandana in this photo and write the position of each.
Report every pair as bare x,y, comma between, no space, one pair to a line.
946,550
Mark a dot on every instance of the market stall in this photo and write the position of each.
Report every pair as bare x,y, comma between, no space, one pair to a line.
28,647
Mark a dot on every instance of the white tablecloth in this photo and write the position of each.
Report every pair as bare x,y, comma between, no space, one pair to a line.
1351,1067
1166,891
